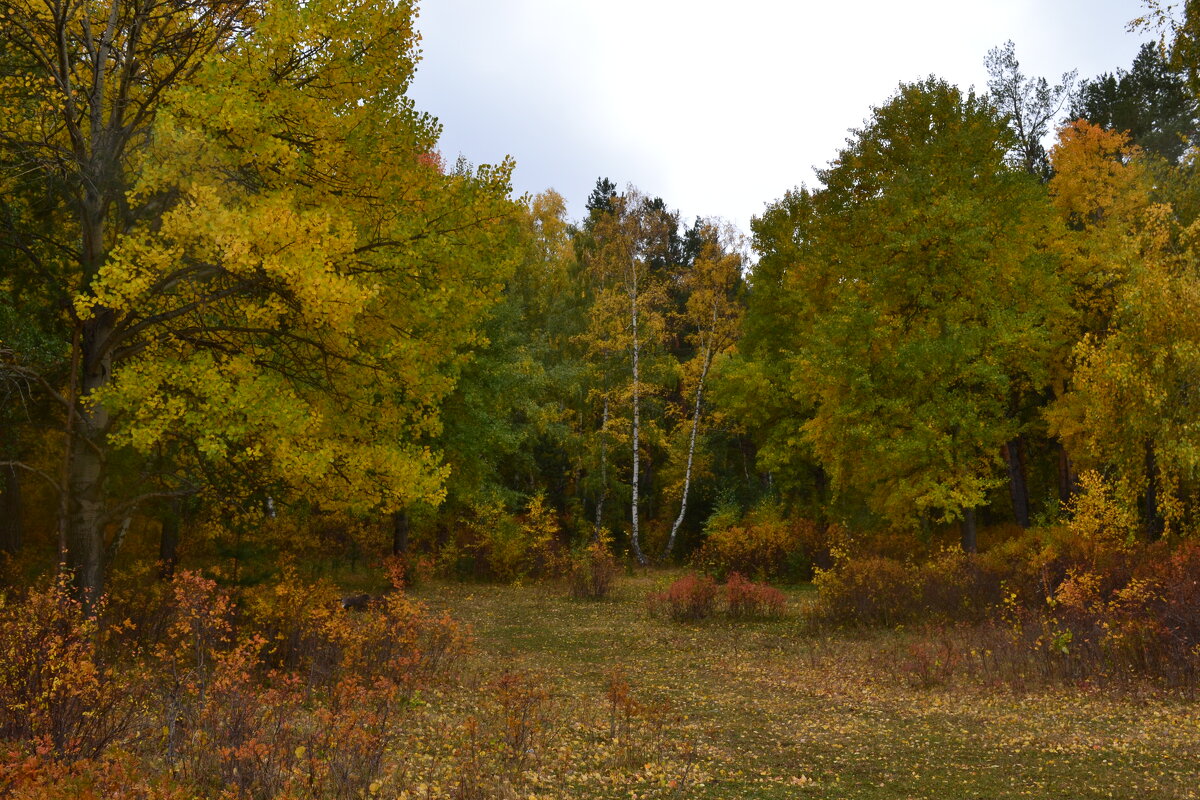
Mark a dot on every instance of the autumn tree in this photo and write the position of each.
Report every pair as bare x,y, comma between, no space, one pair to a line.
922,261
631,236
712,316
1122,404
266,268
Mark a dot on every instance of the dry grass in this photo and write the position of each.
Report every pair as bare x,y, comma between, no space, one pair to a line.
771,710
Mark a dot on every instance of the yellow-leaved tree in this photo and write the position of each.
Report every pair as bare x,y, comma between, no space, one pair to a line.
1125,403
270,275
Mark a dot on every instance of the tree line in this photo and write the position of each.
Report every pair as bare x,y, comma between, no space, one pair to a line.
239,282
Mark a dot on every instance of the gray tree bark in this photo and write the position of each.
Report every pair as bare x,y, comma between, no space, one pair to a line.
969,532
12,528
1018,488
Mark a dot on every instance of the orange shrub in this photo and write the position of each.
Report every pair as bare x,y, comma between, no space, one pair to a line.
28,777
53,690
765,546
590,573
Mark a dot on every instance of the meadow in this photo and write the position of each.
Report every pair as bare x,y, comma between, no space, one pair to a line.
775,709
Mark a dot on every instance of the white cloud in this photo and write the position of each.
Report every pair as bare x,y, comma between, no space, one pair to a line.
717,107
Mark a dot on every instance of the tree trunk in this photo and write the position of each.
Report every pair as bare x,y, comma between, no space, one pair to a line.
634,538
1014,457
168,541
1068,479
603,472
400,532
12,530
969,534
82,530
687,473
86,468
1151,516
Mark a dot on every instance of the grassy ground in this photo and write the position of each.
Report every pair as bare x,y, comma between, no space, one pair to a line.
765,710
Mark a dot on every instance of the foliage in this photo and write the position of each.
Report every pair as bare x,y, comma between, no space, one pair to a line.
54,691
867,591
764,544
591,571
695,597
1150,102
745,599
915,267
263,229
494,544
688,599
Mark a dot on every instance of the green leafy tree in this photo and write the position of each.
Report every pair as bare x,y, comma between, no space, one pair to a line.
923,258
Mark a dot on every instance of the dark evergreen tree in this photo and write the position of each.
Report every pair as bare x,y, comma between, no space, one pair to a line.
1151,102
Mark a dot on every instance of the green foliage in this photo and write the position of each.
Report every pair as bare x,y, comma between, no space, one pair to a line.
916,271
1151,102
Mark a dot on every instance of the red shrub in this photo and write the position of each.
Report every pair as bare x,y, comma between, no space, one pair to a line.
690,598
745,599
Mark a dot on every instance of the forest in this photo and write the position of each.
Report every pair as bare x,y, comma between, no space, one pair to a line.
331,468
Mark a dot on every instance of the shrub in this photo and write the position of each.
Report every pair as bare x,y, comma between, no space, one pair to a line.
1145,619
763,545
494,544
26,777
690,598
747,600
1180,579
955,586
867,591
293,617
590,572
53,690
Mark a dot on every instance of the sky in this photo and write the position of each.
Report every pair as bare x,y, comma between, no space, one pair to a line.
718,108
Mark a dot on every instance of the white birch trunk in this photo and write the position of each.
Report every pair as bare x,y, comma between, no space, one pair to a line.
687,473
634,538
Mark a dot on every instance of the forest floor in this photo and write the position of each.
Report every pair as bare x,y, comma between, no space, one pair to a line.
719,709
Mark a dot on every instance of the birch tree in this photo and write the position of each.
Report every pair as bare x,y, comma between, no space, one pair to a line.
713,315
627,313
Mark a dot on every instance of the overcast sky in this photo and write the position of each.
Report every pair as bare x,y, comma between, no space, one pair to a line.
717,107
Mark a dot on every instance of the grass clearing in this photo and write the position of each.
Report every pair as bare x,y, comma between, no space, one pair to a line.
768,710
